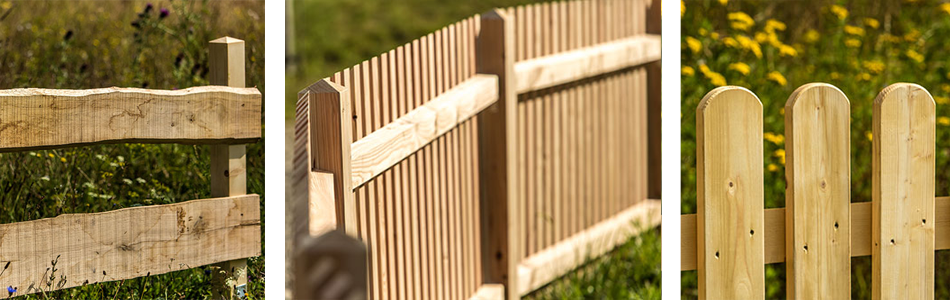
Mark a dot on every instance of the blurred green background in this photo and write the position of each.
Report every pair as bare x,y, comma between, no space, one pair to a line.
773,47
94,44
326,36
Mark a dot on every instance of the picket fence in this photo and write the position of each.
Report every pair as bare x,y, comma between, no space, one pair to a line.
732,237
485,159
147,240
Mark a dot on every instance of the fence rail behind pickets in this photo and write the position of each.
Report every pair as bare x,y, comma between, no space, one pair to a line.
732,237
79,249
431,139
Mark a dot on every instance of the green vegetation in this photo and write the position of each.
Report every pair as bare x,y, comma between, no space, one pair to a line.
773,47
93,44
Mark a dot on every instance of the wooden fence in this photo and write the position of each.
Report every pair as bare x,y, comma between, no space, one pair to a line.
148,240
487,158
732,237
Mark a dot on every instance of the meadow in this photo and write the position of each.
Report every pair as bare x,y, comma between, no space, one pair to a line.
773,47
93,44
330,35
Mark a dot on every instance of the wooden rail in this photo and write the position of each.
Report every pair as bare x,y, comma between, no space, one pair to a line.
128,243
45,118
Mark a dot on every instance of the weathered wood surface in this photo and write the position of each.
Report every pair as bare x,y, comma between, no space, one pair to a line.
45,118
380,150
127,243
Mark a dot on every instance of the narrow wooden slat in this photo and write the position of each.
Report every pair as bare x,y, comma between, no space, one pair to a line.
818,193
489,292
903,188
128,243
730,202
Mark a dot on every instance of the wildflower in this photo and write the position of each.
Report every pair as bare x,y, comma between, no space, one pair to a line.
780,153
869,135
914,55
740,21
6,5
943,121
693,44
771,25
62,159
875,66
864,76
723,2
911,36
777,139
777,77
840,12
853,43
163,13
750,45
740,67
148,7
731,42
52,156
786,50
682,8
945,88
688,71
854,30
703,32
871,22
945,7
772,167
835,75
811,36
714,35
761,37
714,78
941,100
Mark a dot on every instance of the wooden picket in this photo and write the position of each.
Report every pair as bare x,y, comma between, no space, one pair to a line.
820,229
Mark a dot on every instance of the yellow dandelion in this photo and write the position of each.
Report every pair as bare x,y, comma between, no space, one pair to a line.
682,8
749,44
62,159
52,156
812,36
945,8
786,50
714,78
839,11
761,37
911,36
874,66
703,32
943,121
731,42
771,25
864,76
941,100
688,71
854,30
777,139
869,135
914,55
945,88
835,75
740,21
781,111
740,67
723,2
853,43
772,167
714,35
693,44
39,155
780,153
777,77
871,22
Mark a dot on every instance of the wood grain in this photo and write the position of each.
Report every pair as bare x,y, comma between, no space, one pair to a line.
127,243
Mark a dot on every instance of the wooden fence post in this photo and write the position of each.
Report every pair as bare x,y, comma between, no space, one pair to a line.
228,162
501,232
818,196
729,196
654,100
902,231
331,266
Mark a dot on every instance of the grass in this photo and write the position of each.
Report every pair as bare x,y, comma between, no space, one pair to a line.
92,44
774,47
333,35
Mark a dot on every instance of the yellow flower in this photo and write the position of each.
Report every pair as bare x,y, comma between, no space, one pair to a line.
869,135
740,67
6,5
943,121
853,43
835,75
714,78
854,30
761,37
919,58
875,66
731,42
714,35
839,11
703,32
941,100
871,22
945,88
740,21
777,139
780,153
786,50
62,159
52,156
812,36
688,71
945,8
750,45
682,8
693,44
777,77
772,167
723,2
912,35
864,76
771,25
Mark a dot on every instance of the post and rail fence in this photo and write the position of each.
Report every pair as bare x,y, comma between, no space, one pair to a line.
483,160
731,237
147,240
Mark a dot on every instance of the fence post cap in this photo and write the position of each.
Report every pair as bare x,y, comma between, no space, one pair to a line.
901,87
796,95
729,89
226,40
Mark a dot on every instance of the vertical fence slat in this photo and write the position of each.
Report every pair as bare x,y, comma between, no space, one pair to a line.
730,207
903,193
818,198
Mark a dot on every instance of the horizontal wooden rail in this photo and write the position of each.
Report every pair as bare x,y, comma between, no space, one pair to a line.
45,118
775,232
385,147
546,266
552,70
127,243
489,292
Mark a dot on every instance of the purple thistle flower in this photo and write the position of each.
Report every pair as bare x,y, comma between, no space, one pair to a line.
163,13
11,290
148,7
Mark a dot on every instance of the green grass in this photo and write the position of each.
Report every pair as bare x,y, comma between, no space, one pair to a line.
93,44
858,46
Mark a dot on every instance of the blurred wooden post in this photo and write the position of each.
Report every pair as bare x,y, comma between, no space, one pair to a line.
496,141
331,266
228,162
653,108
